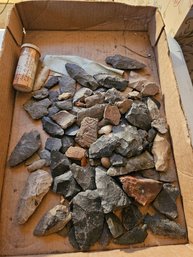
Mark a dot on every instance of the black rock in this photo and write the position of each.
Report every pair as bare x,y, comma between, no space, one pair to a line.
53,110
59,163
134,236
65,104
151,135
51,82
72,131
81,76
40,94
84,176
112,95
131,217
66,185
123,62
28,144
118,160
72,238
53,95
51,127
106,236
53,144
165,202
114,225
45,154
88,218
67,85
37,109
66,143
162,226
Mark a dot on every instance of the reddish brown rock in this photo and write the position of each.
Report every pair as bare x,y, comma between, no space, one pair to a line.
150,89
143,190
112,114
76,153
124,105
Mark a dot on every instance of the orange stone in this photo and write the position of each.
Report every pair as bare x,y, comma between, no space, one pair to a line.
112,114
76,153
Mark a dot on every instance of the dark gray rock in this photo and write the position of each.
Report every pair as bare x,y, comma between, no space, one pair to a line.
84,176
37,109
59,163
72,131
95,162
81,76
165,202
112,197
113,95
51,127
65,104
106,236
53,95
88,218
81,94
114,225
45,155
131,217
151,135
92,100
66,143
53,144
51,82
134,236
53,110
28,144
72,238
162,226
110,81
117,160
40,94
67,85
124,63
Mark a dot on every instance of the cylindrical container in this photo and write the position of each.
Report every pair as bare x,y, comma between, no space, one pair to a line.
26,68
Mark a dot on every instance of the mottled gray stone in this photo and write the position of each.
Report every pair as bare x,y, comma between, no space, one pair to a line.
53,110
72,131
131,217
112,96
81,94
51,82
45,155
114,224
161,125
40,94
67,85
117,160
66,143
59,163
65,104
53,95
37,109
106,236
51,127
53,144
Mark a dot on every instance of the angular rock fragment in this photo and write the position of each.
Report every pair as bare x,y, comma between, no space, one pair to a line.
36,165
131,217
28,144
153,109
53,221
67,85
142,162
112,197
45,155
84,176
103,146
53,110
124,105
53,95
37,186
88,218
72,131
117,160
112,96
87,133
165,227
150,89
66,143
134,236
59,163
40,94
105,130
112,114
110,81
64,119
151,173
114,225
64,96
123,62
81,94
81,76
161,125
51,82
165,202
92,100
161,152
66,185
64,105
143,190
37,109
51,127
139,115
53,144
76,153
92,112
106,236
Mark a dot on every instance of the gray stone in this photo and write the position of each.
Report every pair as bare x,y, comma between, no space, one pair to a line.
112,197
106,236
59,163
45,155
53,221
51,127
117,160
123,62
95,162
28,144
112,96
64,119
139,115
36,165
151,135
153,109
37,109
88,218
51,82
72,131
53,110
84,176
81,76
53,95
40,94
67,85
92,100
36,187
66,143
164,227
161,125
81,94
114,225
131,217
53,144
65,104
165,202
72,238
141,162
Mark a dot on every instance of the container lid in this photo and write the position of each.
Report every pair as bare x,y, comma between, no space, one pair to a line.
31,46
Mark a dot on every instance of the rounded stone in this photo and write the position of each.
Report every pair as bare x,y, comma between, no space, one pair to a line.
105,161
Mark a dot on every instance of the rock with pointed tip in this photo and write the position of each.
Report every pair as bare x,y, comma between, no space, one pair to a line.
51,127
37,109
64,119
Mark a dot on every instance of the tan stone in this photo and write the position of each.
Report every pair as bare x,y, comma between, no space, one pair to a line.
36,165
150,89
33,158
76,152
112,114
105,161
64,96
105,130
124,105
134,95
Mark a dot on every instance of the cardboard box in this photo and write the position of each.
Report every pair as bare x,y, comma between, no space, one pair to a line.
92,30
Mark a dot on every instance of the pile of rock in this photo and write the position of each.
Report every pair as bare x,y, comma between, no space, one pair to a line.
107,151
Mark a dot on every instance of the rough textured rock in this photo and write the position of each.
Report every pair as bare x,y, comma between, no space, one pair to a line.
64,105
40,94
45,155
37,109
139,115
162,226
151,173
53,221
53,95
113,95
88,218
64,119
131,217
143,190
153,109
59,163
64,96
67,85
28,144
103,146
81,76
114,224
123,62
72,131
52,82
118,160
92,100
150,89
76,153
124,105
84,176
134,95
66,143
161,125
87,133
112,197
161,152
134,236
106,236
53,144
36,187
105,130
66,185
165,202
81,94
110,81
51,127
36,165
112,114
142,162
53,110
92,112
